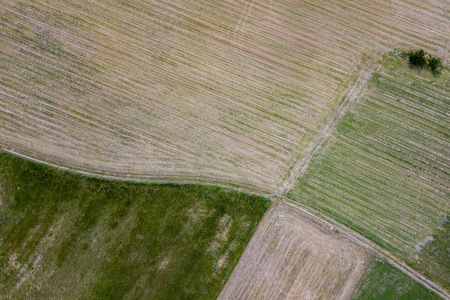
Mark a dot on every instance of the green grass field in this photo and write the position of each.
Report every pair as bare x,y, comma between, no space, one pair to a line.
399,127
65,236
436,256
384,281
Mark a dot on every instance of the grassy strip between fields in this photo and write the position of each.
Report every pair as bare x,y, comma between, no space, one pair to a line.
63,235
384,281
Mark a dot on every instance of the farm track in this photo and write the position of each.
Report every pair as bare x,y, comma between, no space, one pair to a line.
399,127
329,126
239,186
360,178
317,216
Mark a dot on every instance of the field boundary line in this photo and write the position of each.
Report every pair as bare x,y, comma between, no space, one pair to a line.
368,244
161,179
275,199
301,165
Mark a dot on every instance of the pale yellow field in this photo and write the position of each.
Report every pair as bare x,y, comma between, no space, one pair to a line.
231,91
292,257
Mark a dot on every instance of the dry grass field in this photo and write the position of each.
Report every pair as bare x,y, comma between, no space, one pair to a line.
292,257
229,91
385,171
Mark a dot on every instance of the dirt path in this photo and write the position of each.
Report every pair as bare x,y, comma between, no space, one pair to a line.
330,125
359,239
301,166
297,171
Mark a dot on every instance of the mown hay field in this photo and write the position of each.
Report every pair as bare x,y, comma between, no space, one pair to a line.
385,171
230,91
291,256
66,236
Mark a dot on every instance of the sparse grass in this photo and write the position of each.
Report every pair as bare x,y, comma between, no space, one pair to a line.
384,281
434,259
67,236
399,127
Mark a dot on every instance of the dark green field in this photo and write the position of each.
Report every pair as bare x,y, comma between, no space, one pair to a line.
66,236
434,259
384,281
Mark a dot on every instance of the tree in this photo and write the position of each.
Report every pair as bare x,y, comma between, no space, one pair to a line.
417,58
434,63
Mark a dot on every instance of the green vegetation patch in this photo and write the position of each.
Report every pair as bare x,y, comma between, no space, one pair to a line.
385,171
67,236
384,281
419,58
435,255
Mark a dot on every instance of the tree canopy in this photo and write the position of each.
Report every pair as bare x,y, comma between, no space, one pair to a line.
419,58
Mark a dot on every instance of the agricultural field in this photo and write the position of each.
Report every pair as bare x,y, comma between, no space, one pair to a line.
242,93
67,236
434,257
384,281
291,256
218,91
385,171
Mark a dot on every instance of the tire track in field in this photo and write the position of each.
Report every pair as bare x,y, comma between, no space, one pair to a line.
301,165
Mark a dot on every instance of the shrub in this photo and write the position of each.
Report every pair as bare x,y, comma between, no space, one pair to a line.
417,58
434,63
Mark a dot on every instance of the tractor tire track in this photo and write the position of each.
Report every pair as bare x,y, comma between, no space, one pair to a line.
300,167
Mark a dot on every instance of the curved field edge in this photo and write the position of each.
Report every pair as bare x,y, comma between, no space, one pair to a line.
360,177
103,239
200,179
234,90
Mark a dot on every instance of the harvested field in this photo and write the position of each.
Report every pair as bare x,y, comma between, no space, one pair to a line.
385,171
292,257
231,91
